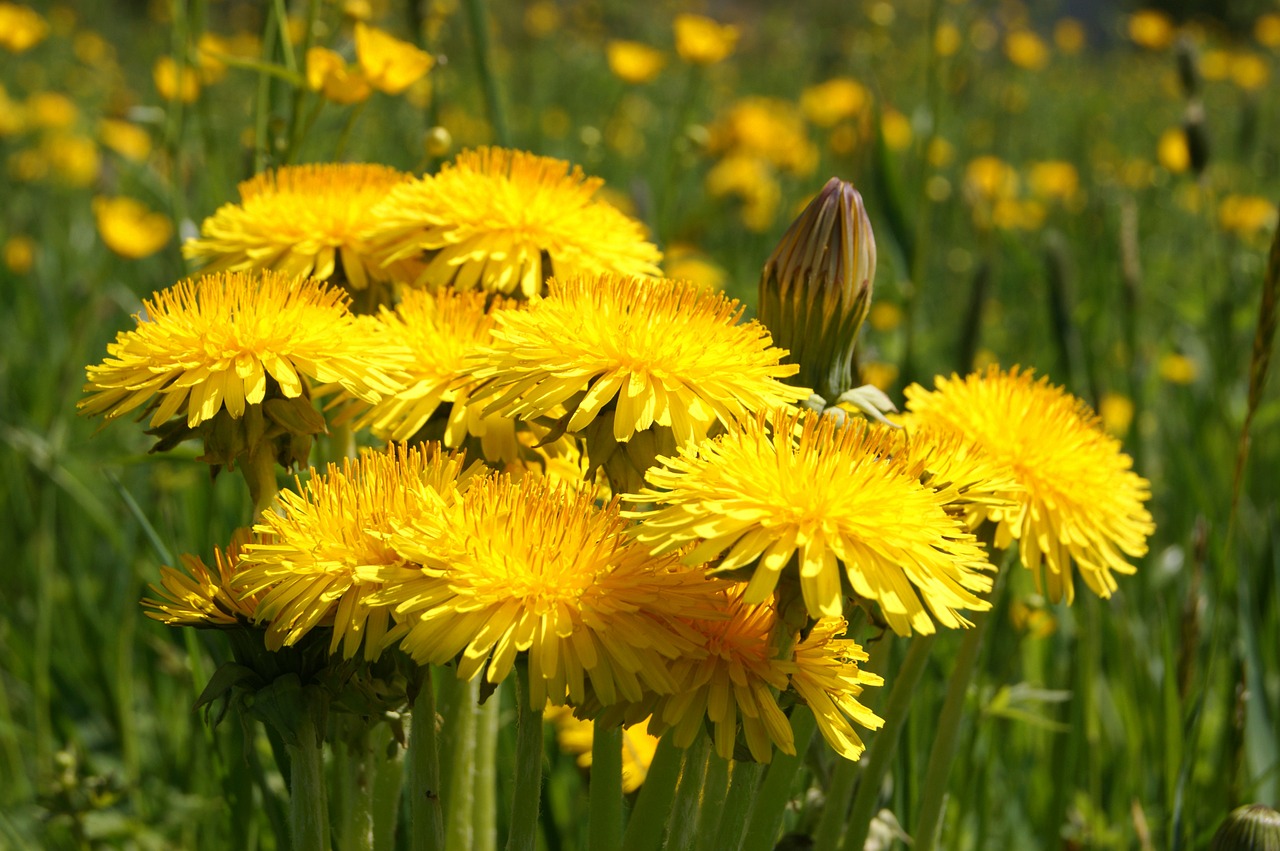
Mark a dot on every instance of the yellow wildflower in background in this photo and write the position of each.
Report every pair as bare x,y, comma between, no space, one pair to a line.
329,74
21,28
1081,500
766,128
1177,368
126,139
576,737
1069,36
703,41
71,159
1054,180
750,179
491,218
217,341
1249,71
633,62
1266,30
799,494
313,557
896,129
827,678
537,569
389,64
174,81
52,111
19,254
198,596
1172,152
129,228
990,179
947,39
1026,50
1152,29
833,101
311,220
1116,412
1246,215
686,263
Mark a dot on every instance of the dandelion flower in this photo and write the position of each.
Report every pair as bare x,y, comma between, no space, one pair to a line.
218,341
1080,499
300,220
827,678
634,356
796,493
576,736
329,74
203,597
533,568
703,41
633,62
389,64
21,28
130,229
310,562
504,221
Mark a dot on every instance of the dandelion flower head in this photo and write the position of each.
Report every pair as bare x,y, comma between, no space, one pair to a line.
203,597
826,675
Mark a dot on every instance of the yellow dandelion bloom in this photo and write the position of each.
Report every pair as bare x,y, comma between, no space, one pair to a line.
503,221
442,330
174,81
896,129
217,342
1266,30
314,556
768,129
829,103
1054,180
827,678
203,597
1026,50
973,483
1152,29
633,62
1249,71
1069,36
576,737
129,228
1246,215
1177,368
1080,499
19,254
989,179
703,41
799,493
390,65
329,74
752,180
126,139
301,220
52,111
1172,150
21,28
536,569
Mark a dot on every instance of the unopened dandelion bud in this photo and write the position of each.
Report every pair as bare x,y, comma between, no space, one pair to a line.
815,290
1197,137
1255,827
1188,60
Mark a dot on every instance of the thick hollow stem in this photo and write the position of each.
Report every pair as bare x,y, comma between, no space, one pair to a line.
604,825
426,819
527,797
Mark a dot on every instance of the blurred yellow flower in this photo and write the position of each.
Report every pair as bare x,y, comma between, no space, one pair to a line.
13,115
1069,36
940,152
129,228
329,74
879,374
1172,151
21,28
1152,29
126,139
885,316
541,18
357,10
51,110
947,39
1246,215
1177,368
829,103
391,65
209,52
1015,214
576,736
702,41
990,179
1116,411
174,81
73,159
685,263
752,180
1054,180
1031,617
633,62
766,128
93,50
1026,50
1215,65
896,128
19,254
1249,71
1266,30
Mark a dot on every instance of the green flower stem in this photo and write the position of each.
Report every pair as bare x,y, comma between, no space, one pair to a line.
355,771
426,820
527,799
714,788
682,824
670,167
644,830
259,471
485,814
387,784
308,806
775,792
876,760
604,822
744,779
459,828
479,25
845,775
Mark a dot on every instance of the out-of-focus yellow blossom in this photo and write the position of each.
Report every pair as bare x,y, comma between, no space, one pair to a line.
1215,65
575,736
829,103
174,81
947,39
879,374
686,263
702,41
329,74
209,52
358,10
1116,412
1266,30
885,316
542,18
940,152
391,65
751,179
896,128
990,179
72,159
1172,152
1249,71
128,140
633,62
1152,29
1031,617
1054,180
21,28
767,129
13,116
1015,214
1069,36
92,49
1026,50
130,229
1246,215
52,111
28,165
295,28
1177,368
19,254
